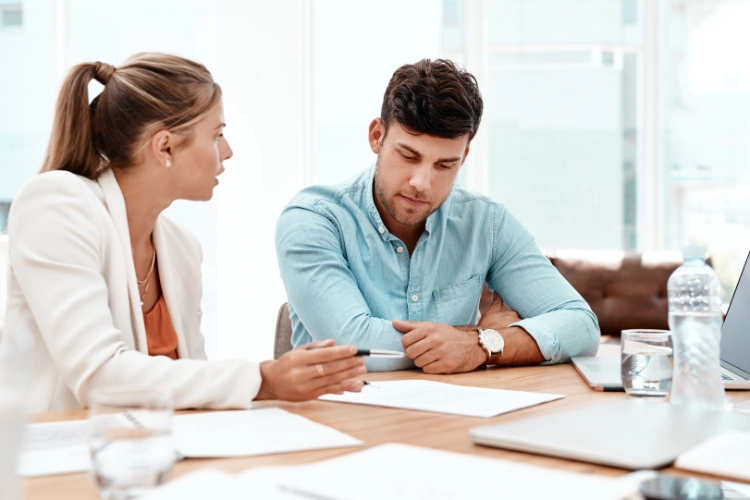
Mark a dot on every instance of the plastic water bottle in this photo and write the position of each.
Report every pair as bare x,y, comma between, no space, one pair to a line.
695,321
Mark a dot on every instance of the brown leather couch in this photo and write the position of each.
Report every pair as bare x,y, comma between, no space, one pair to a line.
624,289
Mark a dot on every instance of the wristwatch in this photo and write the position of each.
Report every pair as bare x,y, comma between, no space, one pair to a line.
492,342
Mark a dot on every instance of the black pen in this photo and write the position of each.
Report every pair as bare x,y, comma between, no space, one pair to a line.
608,388
380,353
373,353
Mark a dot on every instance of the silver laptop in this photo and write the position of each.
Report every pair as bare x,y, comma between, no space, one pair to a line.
630,433
603,372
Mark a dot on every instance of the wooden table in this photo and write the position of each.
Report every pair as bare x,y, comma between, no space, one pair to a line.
375,426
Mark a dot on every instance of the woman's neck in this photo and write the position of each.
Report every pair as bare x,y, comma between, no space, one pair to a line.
144,201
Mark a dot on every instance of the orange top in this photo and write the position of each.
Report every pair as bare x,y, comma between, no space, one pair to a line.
160,334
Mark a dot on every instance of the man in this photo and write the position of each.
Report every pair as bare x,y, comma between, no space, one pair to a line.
395,258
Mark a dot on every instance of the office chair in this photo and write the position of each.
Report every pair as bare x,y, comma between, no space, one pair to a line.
282,341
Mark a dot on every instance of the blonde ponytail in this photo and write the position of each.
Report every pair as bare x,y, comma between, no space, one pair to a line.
148,90
70,146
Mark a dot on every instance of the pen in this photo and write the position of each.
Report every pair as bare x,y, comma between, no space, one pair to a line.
608,388
380,353
373,353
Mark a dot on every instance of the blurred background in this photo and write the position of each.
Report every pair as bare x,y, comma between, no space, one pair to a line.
609,124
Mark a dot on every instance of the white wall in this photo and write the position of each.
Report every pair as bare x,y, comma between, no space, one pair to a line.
355,51
261,65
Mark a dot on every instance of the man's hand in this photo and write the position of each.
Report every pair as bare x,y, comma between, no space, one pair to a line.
440,348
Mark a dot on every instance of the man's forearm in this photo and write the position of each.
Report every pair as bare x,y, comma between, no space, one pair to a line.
520,347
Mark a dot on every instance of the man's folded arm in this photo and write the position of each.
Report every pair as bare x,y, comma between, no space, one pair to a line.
553,312
322,291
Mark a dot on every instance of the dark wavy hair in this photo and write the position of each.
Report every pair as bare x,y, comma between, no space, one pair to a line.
435,98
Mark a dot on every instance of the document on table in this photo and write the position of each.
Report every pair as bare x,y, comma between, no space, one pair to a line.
404,471
252,432
395,471
726,454
442,398
55,448
62,447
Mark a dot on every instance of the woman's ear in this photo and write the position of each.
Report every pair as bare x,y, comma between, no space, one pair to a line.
162,146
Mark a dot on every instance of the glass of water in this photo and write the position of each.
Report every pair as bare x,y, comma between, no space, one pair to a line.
131,440
646,362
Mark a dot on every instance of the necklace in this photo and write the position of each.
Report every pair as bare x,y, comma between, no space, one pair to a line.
147,280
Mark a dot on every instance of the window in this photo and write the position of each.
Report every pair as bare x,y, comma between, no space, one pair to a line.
705,88
11,14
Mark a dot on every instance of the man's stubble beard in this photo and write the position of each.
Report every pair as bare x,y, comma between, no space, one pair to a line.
388,202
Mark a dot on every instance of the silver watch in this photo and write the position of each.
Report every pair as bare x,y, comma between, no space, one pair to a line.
492,342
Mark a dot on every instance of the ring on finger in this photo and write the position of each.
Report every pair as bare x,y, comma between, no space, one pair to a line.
319,367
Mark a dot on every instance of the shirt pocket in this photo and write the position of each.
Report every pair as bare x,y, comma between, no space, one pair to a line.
458,304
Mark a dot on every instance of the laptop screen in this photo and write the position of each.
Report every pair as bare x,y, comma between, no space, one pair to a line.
735,333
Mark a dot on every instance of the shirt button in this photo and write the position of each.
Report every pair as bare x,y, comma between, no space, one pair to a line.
414,298
399,249
381,230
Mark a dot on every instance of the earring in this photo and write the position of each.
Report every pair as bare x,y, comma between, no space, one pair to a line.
169,163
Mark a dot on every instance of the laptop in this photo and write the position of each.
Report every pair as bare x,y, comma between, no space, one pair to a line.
603,372
629,433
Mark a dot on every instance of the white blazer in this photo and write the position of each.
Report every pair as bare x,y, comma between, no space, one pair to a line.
73,287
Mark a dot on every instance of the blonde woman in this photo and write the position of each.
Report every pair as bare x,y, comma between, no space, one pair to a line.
109,287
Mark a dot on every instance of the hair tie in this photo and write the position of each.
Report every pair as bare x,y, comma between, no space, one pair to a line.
103,72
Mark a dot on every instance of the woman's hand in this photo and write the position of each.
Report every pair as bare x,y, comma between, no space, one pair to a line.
304,374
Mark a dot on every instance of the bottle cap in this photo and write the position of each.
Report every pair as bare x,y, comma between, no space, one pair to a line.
694,252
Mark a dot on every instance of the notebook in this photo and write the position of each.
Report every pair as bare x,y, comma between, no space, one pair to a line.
630,433
604,371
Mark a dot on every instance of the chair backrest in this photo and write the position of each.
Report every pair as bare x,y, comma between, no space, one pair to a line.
283,340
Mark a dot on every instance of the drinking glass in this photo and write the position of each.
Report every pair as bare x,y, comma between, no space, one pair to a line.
131,440
646,362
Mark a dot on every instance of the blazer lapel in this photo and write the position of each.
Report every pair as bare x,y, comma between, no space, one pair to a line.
116,207
168,287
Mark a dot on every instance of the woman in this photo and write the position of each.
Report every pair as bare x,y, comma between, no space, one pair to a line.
108,286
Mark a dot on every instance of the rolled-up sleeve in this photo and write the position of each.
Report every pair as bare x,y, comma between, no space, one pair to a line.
552,311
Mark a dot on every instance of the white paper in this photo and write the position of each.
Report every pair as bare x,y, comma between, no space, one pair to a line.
439,397
62,447
261,483
726,454
55,448
252,432
403,471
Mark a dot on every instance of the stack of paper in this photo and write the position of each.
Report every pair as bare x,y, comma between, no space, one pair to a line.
443,398
62,447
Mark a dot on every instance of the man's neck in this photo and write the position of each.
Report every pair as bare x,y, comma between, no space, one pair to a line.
408,234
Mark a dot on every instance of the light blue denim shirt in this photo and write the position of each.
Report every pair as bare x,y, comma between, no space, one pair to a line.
347,277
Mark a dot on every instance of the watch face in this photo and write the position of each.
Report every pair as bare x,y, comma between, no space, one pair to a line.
493,341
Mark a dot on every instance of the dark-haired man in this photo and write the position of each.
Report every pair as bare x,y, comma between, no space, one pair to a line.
397,259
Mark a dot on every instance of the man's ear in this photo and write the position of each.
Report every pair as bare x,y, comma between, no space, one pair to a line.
466,152
376,134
